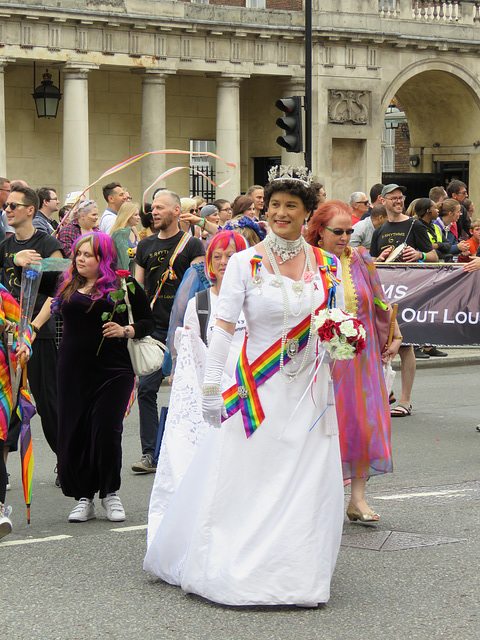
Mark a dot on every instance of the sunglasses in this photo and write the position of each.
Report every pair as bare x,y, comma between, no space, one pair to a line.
14,205
340,232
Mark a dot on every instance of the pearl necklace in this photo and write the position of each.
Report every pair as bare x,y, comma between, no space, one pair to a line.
292,344
285,249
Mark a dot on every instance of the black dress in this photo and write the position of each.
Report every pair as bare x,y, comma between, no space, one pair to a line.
93,393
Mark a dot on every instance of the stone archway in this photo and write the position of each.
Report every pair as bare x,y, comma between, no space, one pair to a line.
441,101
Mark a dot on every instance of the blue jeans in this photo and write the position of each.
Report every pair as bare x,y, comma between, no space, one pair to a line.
148,387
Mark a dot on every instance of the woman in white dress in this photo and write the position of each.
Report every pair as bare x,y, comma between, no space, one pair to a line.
257,518
184,426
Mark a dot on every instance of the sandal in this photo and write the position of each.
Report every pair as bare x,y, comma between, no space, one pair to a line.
401,411
391,398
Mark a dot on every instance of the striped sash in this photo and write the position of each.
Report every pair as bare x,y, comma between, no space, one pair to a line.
243,395
169,272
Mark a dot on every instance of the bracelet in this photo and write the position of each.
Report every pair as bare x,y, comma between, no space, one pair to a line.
424,255
211,389
35,329
201,223
399,337
126,332
14,258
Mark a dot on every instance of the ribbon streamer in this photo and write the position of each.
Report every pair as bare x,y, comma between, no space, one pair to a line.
130,161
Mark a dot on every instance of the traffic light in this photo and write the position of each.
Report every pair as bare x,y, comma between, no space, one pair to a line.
291,122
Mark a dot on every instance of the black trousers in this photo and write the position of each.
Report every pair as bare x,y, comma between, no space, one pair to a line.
42,376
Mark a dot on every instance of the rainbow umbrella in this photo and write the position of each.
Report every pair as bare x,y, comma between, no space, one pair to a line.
26,411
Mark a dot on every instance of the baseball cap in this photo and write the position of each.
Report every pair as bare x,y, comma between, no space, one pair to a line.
388,188
208,210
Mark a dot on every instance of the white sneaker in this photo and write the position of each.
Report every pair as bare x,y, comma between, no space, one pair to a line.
113,506
83,511
5,522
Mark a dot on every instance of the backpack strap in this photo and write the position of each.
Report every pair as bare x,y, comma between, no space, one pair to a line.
202,302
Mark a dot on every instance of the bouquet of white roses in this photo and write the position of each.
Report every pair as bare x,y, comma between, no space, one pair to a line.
340,333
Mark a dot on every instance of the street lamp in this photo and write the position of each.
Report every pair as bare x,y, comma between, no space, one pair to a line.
394,117
47,96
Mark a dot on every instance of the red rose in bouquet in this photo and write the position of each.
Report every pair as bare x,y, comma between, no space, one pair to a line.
328,330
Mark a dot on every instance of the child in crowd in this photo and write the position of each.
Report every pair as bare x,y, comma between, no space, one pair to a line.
473,242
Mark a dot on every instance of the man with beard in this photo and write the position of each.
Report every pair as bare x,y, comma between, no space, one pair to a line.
162,260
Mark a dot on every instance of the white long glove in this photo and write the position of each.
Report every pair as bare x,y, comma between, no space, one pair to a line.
213,406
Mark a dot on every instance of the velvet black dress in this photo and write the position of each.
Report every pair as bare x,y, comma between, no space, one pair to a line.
93,393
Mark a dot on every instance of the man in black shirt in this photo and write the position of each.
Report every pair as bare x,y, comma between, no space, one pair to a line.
400,229
162,260
21,206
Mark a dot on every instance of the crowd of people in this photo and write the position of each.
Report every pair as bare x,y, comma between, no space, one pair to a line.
233,290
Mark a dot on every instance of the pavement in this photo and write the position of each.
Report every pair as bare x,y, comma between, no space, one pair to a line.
456,357
414,575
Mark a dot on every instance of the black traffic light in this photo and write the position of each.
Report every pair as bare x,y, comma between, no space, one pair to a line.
291,122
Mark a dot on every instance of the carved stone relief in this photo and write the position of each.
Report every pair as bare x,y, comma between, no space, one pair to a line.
348,107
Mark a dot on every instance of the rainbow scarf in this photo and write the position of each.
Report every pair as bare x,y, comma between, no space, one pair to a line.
243,395
169,272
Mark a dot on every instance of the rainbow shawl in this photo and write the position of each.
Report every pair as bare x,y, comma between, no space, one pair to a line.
243,395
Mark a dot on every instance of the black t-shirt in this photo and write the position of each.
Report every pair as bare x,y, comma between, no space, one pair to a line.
392,234
11,275
152,254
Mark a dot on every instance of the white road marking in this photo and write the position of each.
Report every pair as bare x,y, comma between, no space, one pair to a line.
404,496
13,543
122,529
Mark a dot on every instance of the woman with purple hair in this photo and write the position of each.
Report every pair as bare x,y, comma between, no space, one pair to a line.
95,375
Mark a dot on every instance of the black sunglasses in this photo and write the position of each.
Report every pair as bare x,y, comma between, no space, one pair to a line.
13,205
340,232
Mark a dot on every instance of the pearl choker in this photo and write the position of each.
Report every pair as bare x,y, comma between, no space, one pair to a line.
285,249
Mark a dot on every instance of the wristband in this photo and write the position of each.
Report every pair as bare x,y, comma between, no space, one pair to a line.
201,223
211,390
424,256
35,329
14,259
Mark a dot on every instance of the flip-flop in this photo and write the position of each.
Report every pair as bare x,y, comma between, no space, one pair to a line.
401,411
391,398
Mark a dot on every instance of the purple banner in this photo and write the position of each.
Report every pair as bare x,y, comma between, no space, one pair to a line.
437,304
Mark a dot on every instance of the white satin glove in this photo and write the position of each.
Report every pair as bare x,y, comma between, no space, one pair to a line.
213,406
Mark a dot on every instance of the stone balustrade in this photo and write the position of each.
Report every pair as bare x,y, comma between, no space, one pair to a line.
466,11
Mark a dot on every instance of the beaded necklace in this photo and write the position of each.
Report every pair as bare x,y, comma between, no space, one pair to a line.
292,344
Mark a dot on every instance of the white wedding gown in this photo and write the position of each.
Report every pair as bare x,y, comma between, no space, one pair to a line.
259,520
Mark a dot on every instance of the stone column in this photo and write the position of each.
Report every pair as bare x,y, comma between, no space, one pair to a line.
228,136
76,174
289,90
153,137
3,149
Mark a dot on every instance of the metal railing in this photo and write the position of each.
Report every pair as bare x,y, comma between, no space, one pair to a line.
200,186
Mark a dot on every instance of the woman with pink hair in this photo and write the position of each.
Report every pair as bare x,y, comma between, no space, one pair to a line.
95,375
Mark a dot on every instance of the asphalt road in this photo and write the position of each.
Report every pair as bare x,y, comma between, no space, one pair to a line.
413,576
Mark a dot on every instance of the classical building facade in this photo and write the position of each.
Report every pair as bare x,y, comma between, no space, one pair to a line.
144,75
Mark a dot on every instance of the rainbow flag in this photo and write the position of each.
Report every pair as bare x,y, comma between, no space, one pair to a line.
243,395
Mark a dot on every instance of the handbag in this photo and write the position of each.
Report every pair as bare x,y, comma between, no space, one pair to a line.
146,354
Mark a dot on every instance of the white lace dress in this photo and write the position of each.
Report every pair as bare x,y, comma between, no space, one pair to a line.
259,520
185,427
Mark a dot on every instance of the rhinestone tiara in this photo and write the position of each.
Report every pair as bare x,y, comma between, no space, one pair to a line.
288,172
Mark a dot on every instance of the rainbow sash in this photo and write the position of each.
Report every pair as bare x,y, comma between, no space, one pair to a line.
169,272
243,395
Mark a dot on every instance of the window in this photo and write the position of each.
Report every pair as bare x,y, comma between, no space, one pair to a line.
255,4
199,185
388,150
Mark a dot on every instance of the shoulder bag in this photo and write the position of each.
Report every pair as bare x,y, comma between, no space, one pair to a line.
146,353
